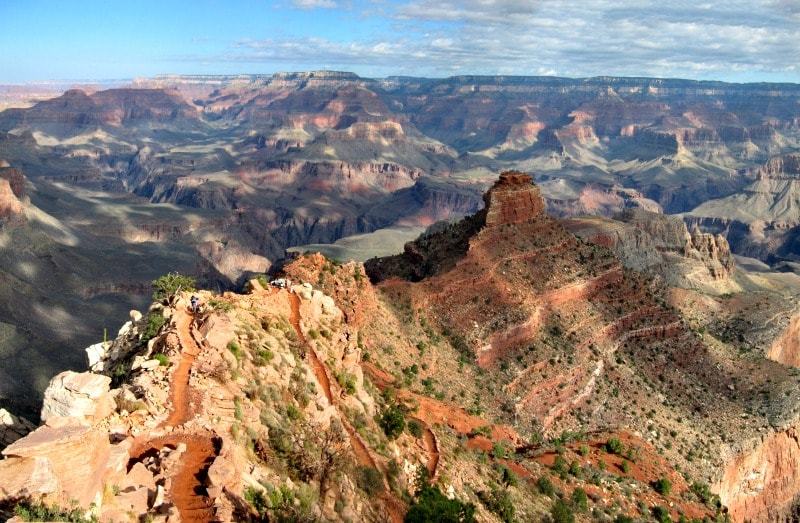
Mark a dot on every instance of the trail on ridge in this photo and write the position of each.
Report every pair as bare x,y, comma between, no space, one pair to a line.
188,491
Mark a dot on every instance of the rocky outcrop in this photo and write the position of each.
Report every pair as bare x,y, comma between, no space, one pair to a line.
232,260
16,180
713,251
82,397
761,485
786,347
593,200
60,464
10,206
661,245
512,199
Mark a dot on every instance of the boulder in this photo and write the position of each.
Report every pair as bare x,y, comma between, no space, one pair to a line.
20,478
80,396
70,462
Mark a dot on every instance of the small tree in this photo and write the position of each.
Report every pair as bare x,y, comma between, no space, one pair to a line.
167,286
393,422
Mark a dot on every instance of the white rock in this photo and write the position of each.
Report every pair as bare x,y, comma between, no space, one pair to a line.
137,362
150,364
135,315
79,395
6,418
159,499
125,329
96,353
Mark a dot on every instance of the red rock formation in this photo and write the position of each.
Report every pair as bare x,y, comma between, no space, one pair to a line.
761,485
786,348
513,199
16,180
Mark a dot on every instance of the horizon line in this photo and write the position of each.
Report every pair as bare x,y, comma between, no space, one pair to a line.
103,81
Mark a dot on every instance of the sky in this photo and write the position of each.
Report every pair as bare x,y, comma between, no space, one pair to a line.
733,40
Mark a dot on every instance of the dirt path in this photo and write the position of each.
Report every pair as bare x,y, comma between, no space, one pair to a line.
431,448
316,364
395,508
180,409
187,492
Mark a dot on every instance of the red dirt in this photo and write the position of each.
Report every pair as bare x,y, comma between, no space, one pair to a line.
180,411
187,491
433,412
316,364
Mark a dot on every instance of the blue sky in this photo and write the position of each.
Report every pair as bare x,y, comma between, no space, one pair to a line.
734,40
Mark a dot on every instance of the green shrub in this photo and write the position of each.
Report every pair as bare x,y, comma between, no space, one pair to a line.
292,412
163,359
499,502
263,356
614,446
703,492
237,408
170,284
508,477
561,512
580,500
545,486
663,486
575,469
499,450
235,349
431,505
256,498
155,320
220,305
622,518
560,465
347,382
36,511
661,514
415,428
625,466
393,422
370,480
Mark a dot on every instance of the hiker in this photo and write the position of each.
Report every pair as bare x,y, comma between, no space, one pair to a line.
195,304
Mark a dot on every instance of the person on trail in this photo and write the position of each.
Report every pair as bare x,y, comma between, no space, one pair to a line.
195,304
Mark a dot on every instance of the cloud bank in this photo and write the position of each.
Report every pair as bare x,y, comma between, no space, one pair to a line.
734,40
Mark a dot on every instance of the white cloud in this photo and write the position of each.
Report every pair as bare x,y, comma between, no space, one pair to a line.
315,4
573,38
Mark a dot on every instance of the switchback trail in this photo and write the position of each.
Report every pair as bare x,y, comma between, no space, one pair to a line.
395,508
